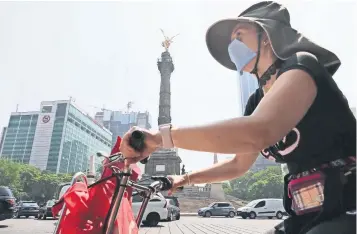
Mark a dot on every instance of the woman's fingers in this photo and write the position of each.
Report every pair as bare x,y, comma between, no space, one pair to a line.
133,160
177,181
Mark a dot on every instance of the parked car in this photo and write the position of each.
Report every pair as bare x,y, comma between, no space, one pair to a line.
155,212
46,210
175,199
218,209
27,209
173,211
263,208
7,203
62,189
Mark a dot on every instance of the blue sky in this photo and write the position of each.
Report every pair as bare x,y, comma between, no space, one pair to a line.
104,53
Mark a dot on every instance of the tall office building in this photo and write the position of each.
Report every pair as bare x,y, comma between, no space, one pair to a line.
119,122
59,138
19,136
247,84
2,137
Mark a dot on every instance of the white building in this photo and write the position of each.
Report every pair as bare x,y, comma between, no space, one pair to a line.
59,138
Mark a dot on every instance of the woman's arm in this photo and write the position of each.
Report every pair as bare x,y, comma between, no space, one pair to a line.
226,170
279,111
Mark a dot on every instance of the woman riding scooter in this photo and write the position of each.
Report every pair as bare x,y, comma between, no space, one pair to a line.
297,116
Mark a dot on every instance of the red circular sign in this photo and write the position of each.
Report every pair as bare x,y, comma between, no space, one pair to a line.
46,119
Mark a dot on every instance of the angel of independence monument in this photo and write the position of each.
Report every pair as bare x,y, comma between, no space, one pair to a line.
164,161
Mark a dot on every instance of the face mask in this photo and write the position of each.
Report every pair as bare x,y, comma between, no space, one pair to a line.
240,54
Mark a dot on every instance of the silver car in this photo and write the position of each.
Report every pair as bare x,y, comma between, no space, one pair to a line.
218,209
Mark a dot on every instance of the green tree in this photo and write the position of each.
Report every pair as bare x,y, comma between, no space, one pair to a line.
28,175
262,184
28,182
240,186
227,188
268,183
9,175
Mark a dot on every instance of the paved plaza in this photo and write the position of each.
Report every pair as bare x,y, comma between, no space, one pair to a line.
187,225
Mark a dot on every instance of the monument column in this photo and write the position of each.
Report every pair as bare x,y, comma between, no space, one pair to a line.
215,158
166,67
164,161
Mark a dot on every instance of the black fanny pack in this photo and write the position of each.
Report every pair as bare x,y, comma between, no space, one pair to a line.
316,194
306,189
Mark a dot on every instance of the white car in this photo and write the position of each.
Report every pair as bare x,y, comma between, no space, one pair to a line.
63,191
262,208
155,211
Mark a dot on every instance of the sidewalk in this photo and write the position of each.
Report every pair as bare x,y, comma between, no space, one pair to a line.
189,214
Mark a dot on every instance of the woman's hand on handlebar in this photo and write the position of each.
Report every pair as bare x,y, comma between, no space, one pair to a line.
178,181
152,141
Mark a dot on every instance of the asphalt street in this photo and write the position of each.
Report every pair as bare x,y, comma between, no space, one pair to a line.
186,225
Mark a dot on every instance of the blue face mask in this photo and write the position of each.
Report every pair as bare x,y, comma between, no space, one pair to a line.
240,54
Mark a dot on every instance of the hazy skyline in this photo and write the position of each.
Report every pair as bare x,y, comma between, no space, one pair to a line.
105,53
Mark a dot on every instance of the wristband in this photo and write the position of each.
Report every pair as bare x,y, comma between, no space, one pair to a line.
165,131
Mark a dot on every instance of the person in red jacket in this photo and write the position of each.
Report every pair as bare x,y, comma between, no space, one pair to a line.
297,116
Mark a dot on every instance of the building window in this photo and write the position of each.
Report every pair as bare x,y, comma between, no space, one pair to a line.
15,118
160,168
61,109
46,109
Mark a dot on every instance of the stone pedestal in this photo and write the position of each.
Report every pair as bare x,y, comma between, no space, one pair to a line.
217,191
163,162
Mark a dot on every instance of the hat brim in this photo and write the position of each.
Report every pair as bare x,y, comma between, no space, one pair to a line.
218,38
285,41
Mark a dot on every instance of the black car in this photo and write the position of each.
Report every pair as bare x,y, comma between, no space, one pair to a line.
46,210
27,209
7,203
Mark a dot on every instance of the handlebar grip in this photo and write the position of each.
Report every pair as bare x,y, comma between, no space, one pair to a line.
166,183
144,161
137,141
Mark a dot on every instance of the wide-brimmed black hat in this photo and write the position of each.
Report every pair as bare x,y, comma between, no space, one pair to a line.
275,21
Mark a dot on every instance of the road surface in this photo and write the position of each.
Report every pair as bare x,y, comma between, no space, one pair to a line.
187,225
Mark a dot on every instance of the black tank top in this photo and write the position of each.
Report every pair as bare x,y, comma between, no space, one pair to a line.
328,129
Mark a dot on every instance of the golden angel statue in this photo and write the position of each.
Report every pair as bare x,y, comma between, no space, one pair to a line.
167,42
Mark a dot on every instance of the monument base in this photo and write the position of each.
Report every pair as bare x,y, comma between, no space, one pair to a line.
217,191
163,162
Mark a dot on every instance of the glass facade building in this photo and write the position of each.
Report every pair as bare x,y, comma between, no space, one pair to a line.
60,138
248,84
3,132
19,136
119,122
82,137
